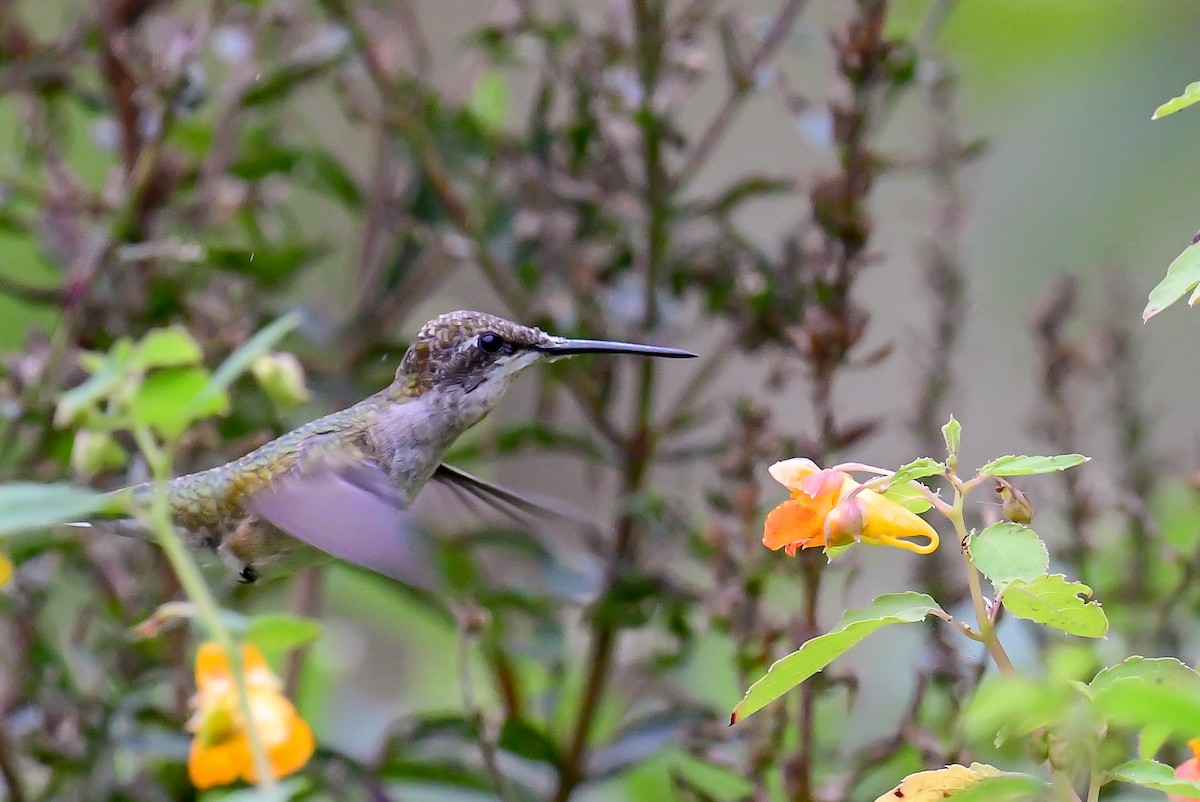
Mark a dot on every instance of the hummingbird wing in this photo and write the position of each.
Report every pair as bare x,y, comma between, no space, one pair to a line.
490,503
344,503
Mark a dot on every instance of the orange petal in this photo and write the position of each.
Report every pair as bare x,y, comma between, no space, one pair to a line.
291,755
219,764
794,523
212,662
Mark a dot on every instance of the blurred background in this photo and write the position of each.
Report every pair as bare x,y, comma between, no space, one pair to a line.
864,215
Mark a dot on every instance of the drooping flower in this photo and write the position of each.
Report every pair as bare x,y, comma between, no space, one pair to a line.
825,510
1188,770
221,751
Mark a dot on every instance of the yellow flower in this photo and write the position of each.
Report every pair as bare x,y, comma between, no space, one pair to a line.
825,511
221,751
6,569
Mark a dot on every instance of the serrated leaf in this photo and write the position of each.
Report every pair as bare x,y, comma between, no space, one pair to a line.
1157,776
790,671
1008,551
170,400
952,434
170,347
908,496
1053,601
917,469
274,633
1183,274
1190,96
1158,670
29,505
1025,466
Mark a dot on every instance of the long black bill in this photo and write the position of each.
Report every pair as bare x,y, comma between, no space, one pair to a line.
571,347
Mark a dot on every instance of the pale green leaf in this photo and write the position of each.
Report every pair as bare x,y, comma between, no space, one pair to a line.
1190,96
168,348
790,671
917,469
909,496
1024,466
1053,601
952,434
489,101
1158,670
1140,703
1008,551
74,402
28,505
241,359
1183,274
167,400
274,633
282,378
1157,776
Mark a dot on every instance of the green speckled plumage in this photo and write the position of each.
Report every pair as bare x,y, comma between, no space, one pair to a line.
206,498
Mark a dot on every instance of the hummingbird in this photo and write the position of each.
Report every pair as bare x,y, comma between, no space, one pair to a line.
346,484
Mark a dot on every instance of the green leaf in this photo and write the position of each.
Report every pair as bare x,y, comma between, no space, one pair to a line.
952,434
167,348
908,496
1190,96
170,400
1139,703
241,359
787,673
112,373
489,101
28,505
1024,466
1016,705
1182,275
95,452
1053,601
1157,776
917,469
275,633
1158,670
1008,551
526,740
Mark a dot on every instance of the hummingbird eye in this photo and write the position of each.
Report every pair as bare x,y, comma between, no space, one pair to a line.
490,342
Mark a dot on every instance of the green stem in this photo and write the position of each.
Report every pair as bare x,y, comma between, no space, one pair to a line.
159,518
986,629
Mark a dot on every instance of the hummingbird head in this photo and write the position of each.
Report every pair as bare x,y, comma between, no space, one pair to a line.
477,355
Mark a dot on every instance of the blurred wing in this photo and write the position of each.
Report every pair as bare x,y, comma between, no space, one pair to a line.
345,504
453,493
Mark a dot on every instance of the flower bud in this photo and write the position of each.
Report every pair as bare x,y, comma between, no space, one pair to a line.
1015,507
845,522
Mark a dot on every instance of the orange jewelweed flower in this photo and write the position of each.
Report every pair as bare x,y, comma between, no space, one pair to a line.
221,752
822,513
1188,770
